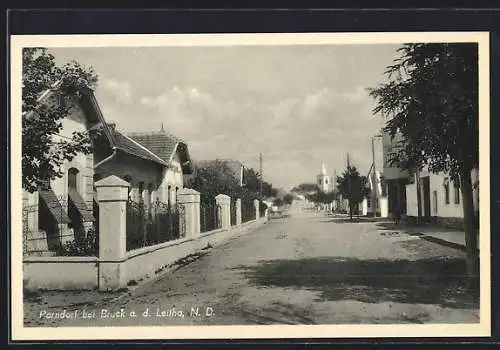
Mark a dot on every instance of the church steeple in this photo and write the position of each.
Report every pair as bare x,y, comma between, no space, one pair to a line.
323,168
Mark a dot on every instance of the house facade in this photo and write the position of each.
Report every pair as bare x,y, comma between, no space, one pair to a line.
61,210
64,209
441,198
154,163
395,178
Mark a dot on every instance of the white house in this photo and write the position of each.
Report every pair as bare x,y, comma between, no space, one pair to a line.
441,198
62,210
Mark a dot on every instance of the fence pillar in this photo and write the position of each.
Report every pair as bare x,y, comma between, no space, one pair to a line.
225,207
32,209
190,200
257,211
112,195
238,212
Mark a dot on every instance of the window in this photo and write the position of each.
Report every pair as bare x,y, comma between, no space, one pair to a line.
326,181
150,194
446,186
169,195
141,191
457,192
72,178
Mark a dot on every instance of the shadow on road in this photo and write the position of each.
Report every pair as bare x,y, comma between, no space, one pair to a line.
355,220
427,281
416,231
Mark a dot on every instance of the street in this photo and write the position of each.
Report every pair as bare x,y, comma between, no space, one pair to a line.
307,268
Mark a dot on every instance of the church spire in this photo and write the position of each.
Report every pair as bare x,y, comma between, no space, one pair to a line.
323,168
162,130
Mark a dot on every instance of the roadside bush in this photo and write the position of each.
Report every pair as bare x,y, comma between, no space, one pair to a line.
89,246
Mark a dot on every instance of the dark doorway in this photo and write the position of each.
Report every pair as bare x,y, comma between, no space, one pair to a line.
426,197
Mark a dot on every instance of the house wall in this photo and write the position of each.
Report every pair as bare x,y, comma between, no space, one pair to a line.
450,210
140,170
390,147
172,177
76,121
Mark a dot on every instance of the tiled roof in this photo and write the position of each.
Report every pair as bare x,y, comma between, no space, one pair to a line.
160,143
131,146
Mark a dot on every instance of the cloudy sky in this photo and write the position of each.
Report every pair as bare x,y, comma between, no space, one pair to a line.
298,105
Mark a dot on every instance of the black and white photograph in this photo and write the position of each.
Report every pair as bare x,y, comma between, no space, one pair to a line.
163,184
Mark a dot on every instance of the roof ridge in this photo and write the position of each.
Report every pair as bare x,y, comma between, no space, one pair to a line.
153,133
143,147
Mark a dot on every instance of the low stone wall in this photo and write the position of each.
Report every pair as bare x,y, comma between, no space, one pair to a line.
73,273
60,272
147,261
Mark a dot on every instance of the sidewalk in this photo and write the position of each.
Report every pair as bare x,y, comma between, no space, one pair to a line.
445,236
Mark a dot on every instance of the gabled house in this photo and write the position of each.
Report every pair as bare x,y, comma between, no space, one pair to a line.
62,209
153,163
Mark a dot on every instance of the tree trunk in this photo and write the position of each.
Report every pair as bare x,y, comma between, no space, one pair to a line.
419,196
471,236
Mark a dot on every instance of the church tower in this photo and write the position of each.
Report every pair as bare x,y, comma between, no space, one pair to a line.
323,180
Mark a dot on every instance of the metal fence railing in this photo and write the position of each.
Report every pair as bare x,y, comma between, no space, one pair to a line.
53,227
233,211
209,216
247,211
153,224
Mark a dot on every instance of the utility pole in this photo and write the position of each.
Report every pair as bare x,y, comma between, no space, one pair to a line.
348,182
374,180
260,171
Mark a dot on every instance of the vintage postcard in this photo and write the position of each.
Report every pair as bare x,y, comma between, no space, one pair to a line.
244,186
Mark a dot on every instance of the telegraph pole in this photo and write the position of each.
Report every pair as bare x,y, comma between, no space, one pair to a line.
348,182
374,180
260,171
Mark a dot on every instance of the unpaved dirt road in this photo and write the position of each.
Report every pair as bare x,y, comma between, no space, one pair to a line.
304,269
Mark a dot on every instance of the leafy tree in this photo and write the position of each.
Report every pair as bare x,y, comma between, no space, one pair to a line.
288,198
251,179
431,100
278,202
42,153
353,187
217,177
214,179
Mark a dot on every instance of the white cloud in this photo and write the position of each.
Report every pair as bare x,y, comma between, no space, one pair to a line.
120,90
294,134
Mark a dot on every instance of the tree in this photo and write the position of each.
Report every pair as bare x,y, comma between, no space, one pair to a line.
353,187
252,183
216,178
42,153
431,100
278,202
288,198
